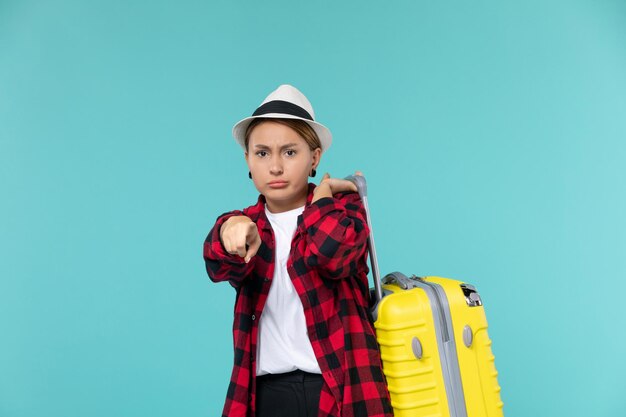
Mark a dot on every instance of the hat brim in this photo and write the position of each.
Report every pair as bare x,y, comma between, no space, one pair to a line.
323,133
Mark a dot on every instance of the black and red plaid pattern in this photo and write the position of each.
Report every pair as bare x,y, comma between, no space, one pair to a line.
328,268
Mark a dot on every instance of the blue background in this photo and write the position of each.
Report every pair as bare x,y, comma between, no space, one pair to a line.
492,134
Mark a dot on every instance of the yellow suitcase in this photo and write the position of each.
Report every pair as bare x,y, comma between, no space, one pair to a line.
434,344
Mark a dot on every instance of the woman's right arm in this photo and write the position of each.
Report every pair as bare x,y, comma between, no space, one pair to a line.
221,265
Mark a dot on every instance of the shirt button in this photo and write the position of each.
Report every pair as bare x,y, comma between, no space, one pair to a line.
253,317
266,279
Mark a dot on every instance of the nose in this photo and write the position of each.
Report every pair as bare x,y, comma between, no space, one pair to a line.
276,166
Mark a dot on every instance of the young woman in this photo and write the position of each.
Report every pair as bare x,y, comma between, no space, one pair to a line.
303,340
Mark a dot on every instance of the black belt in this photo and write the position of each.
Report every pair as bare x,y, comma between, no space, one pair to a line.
293,376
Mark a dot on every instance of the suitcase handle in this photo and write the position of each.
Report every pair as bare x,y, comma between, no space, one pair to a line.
401,280
361,185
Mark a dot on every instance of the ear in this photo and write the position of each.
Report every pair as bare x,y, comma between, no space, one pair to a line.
317,157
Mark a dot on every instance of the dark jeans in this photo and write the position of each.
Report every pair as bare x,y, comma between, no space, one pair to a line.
293,394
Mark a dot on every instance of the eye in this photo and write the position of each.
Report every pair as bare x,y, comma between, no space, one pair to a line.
261,153
290,152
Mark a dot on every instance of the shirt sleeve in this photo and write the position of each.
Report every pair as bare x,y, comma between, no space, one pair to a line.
221,265
336,234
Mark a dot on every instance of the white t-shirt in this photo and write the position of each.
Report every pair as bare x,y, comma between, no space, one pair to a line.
283,344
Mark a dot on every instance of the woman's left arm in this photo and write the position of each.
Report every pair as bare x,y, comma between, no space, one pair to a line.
336,234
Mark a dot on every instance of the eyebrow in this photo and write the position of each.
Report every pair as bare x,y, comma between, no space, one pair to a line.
289,145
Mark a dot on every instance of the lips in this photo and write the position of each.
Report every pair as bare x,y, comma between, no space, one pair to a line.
277,184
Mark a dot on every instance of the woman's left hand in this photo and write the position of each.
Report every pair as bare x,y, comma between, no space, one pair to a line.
339,185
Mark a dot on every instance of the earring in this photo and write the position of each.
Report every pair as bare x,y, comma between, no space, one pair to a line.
313,173
249,174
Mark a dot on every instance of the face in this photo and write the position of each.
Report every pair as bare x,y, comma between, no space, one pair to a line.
280,162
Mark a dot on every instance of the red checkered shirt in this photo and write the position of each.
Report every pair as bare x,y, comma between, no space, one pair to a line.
328,268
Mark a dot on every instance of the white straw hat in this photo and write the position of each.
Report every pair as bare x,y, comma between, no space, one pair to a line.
286,102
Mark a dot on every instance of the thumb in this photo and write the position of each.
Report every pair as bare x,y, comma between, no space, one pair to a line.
326,176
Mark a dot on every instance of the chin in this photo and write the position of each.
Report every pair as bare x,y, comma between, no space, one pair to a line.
283,192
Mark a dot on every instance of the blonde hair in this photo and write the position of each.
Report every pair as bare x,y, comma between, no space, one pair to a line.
301,127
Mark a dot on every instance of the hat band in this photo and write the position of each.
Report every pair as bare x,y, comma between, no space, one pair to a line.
280,106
